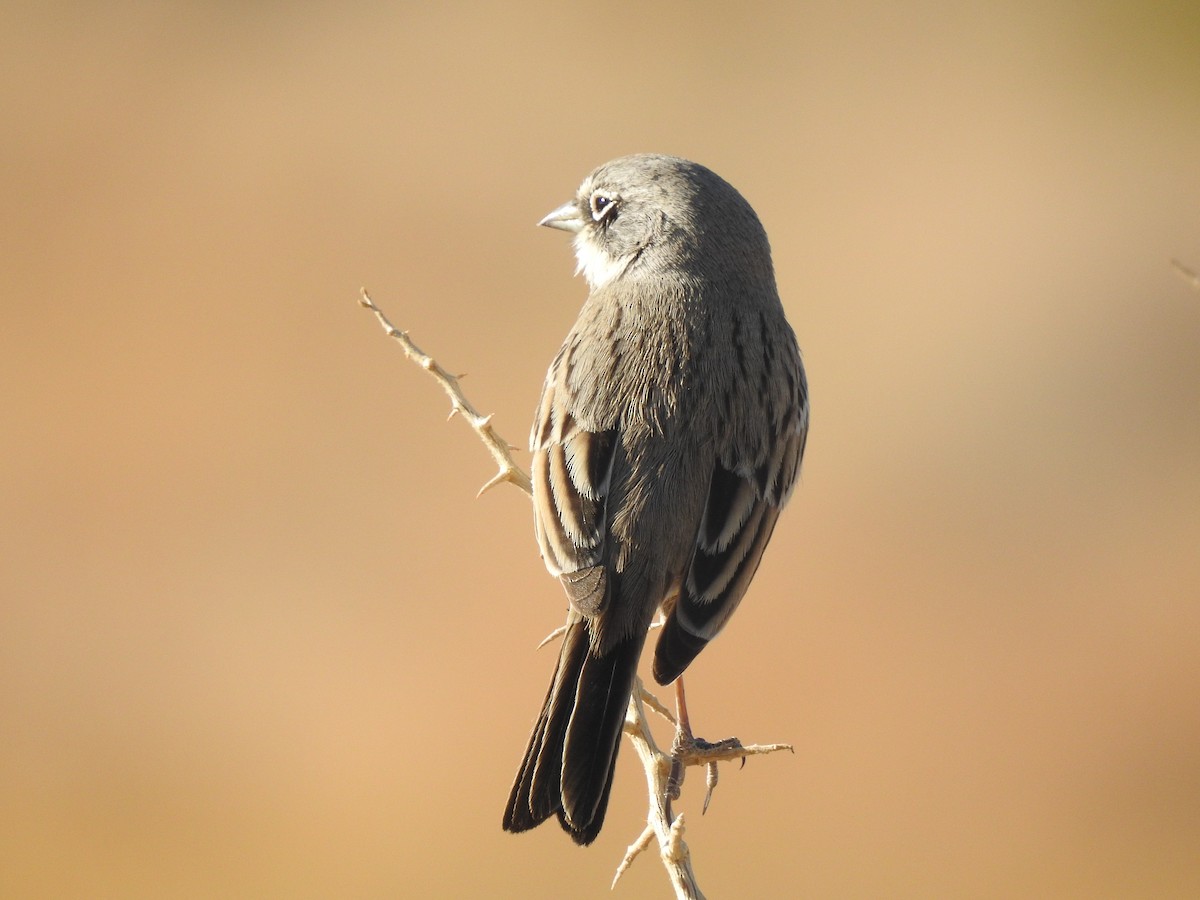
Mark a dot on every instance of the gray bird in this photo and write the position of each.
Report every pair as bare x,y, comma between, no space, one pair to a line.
668,438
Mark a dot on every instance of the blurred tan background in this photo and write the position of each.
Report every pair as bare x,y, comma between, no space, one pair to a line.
259,639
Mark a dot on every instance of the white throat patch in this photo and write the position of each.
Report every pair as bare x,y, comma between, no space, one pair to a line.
598,267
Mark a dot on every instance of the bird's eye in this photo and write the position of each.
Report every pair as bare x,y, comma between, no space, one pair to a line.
602,205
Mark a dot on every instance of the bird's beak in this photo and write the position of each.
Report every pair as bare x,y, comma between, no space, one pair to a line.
566,218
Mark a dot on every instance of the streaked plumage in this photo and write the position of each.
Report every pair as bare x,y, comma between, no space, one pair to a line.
669,436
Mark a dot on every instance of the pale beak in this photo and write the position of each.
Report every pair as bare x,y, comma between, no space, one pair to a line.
566,218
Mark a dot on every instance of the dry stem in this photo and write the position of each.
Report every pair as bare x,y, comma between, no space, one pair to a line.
1191,275
661,824
500,449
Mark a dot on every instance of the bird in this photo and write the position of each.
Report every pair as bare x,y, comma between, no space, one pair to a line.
668,437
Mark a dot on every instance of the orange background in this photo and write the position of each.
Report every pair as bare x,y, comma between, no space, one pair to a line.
258,637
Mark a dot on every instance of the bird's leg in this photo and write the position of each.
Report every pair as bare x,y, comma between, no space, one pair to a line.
681,712
683,741
686,745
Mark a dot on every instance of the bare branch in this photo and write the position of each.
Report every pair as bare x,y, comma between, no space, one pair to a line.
509,471
657,705
676,858
635,850
1191,275
664,771
701,754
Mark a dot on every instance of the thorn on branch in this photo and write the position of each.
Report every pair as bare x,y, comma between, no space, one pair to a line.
556,633
635,850
500,449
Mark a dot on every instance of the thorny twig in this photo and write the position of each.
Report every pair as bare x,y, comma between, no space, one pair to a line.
661,824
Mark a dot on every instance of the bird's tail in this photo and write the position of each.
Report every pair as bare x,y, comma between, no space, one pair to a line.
568,766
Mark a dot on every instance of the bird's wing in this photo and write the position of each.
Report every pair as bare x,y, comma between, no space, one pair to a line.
572,475
739,515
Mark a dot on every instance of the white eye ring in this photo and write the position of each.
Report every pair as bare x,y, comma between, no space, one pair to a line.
603,204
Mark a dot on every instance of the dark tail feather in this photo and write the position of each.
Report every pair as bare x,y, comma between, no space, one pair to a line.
535,795
676,649
594,736
568,766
